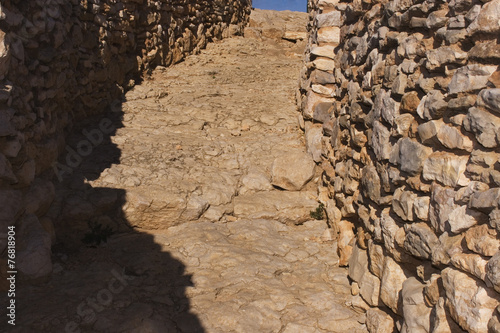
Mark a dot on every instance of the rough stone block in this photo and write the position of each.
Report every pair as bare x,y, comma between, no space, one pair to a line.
416,314
420,240
489,98
470,78
484,125
487,20
471,304
329,35
330,19
446,168
392,284
292,171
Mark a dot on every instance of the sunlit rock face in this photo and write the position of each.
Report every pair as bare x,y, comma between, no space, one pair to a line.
408,95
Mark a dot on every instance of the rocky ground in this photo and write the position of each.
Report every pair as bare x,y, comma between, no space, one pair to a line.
208,193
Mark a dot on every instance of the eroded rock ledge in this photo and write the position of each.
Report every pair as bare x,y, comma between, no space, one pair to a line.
400,105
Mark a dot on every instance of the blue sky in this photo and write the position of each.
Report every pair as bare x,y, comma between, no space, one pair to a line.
295,5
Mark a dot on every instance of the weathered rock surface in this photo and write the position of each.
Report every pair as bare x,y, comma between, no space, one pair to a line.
292,171
248,276
204,145
471,304
201,244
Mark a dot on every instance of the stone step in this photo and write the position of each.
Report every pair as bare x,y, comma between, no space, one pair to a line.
283,206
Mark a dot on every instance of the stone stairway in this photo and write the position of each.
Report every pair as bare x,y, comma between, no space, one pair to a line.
208,189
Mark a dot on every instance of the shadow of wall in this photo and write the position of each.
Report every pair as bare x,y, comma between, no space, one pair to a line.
64,68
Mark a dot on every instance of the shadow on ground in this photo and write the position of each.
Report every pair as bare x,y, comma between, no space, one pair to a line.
107,277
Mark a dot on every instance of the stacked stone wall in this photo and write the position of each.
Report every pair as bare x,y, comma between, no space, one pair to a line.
62,61
400,103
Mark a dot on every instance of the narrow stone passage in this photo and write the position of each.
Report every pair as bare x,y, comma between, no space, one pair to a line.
215,246
200,138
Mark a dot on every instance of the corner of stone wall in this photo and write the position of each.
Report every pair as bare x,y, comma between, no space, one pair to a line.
63,61
404,97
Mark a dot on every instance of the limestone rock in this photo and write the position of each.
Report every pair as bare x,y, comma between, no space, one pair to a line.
324,64
436,131
451,138
329,35
377,321
493,271
448,246
470,78
380,141
392,284
462,218
402,204
470,304
391,233
444,55
411,156
463,195
376,258
255,181
420,240
292,171
410,102
330,19
442,322
442,203
494,219
195,207
489,98
487,20
324,51
370,183
494,323
421,208
471,263
358,264
369,288
485,50
385,106
399,85
314,145
484,125
149,208
403,124
312,100
486,200
417,315
287,207
446,168
432,105
482,240
345,237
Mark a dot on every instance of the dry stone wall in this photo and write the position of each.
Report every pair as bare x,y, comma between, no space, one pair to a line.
62,61
400,103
